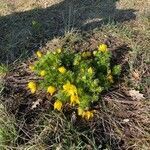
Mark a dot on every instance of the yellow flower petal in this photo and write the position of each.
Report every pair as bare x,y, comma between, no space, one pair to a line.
74,99
70,89
42,73
80,111
33,90
51,90
88,115
58,105
32,86
102,47
83,114
39,54
62,69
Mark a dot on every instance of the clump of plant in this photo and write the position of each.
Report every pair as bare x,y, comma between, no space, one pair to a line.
75,78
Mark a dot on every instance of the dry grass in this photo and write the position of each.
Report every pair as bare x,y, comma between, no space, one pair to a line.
8,133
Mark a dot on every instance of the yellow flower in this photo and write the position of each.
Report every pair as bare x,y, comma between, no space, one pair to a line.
102,47
70,89
32,86
42,73
39,54
86,54
87,115
74,99
51,90
62,69
90,70
58,50
80,111
110,78
58,105
31,67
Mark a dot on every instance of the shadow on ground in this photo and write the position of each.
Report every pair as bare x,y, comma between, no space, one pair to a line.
24,32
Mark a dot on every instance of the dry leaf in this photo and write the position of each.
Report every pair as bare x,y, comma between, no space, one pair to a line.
136,75
36,103
136,95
